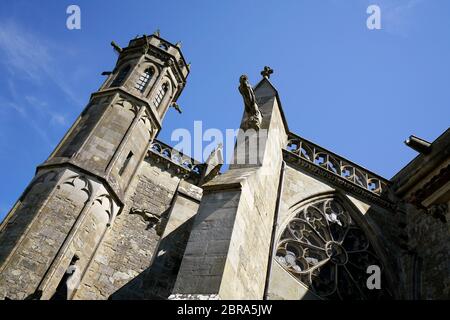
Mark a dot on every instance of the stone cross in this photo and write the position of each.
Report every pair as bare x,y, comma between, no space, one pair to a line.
267,71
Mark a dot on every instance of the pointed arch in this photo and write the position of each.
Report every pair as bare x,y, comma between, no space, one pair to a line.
144,79
325,244
80,182
161,94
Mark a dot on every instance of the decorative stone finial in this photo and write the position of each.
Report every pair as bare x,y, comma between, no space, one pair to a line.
157,33
178,44
267,71
213,164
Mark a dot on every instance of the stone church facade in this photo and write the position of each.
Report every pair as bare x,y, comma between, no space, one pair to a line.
114,213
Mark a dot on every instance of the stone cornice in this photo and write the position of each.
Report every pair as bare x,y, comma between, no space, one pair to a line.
117,194
156,121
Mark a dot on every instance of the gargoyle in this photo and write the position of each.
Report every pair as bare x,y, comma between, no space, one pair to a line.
253,116
176,107
147,216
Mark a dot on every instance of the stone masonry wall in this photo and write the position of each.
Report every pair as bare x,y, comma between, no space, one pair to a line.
47,225
129,246
160,278
430,239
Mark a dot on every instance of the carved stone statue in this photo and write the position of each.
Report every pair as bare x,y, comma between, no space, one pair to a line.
253,116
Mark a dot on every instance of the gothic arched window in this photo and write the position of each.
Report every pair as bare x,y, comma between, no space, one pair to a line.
324,248
118,81
160,95
144,79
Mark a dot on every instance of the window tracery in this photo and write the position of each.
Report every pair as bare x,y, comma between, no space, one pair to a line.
324,248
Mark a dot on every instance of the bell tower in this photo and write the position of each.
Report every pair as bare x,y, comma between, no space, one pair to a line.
112,134
65,211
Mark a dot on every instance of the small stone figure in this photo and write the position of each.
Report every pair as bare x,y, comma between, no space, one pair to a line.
253,116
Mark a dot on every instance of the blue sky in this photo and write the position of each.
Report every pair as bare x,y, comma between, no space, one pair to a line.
355,91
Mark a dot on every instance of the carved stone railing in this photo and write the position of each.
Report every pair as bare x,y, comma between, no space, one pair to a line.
337,165
174,159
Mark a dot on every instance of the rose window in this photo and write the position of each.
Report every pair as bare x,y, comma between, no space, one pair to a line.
324,248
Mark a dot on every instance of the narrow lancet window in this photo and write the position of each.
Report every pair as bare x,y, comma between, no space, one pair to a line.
144,79
160,95
125,163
